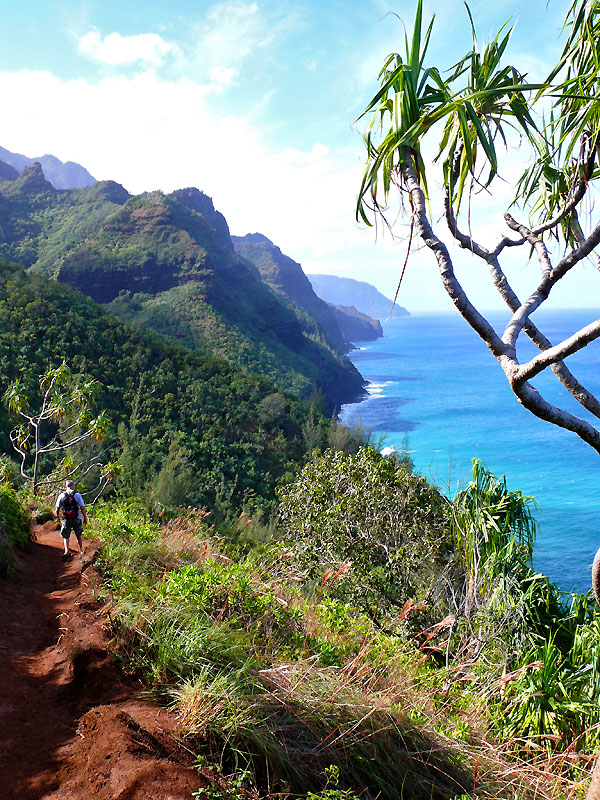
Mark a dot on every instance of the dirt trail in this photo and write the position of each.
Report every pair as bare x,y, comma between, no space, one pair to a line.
71,726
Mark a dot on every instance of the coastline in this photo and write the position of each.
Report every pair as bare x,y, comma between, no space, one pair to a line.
435,390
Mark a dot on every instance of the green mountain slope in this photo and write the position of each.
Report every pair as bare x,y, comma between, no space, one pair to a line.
200,419
286,277
168,262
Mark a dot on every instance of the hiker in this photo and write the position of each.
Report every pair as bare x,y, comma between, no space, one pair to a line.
71,508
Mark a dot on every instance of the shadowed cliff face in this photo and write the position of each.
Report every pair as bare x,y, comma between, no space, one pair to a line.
138,248
168,262
195,200
286,277
356,326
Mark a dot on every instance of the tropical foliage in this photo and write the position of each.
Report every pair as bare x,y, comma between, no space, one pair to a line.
197,417
55,431
377,531
472,111
475,103
14,525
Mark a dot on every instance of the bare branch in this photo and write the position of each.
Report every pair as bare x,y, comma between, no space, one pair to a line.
506,241
55,481
580,238
66,445
465,241
20,450
521,316
575,256
560,369
534,402
451,283
560,351
534,241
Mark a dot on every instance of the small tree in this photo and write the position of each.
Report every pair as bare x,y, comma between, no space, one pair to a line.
49,436
472,106
370,519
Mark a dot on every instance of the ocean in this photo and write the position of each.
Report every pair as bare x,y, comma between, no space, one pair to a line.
437,391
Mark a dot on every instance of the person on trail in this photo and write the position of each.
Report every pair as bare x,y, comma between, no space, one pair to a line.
71,513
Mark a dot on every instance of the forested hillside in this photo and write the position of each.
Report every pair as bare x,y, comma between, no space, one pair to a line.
168,262
191,428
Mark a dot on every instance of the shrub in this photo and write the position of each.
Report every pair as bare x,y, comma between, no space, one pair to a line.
368,523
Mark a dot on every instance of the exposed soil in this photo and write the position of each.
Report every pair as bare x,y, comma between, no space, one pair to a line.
71,724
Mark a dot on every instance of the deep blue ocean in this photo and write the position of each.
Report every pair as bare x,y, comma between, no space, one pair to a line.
436,387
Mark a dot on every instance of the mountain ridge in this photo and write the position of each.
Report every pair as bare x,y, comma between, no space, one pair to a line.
168,262
62,175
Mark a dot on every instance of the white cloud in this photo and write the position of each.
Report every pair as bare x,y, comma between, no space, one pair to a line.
114,49
149,133
222,77
234,32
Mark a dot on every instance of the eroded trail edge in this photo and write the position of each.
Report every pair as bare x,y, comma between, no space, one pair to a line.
71,723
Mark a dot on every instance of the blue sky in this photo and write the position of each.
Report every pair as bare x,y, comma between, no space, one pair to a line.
251,101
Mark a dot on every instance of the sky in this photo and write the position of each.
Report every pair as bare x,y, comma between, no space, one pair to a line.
254,102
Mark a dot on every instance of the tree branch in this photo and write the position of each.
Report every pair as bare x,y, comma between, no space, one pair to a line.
505,351
559,352
580,238
560,369
534,402
451,283
534,241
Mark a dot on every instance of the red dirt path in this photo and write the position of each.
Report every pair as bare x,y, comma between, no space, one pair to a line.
71,726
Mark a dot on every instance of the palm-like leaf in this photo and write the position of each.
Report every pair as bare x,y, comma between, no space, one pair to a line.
15,398
413,99
578,100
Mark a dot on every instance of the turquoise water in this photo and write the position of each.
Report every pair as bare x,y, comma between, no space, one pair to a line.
435,385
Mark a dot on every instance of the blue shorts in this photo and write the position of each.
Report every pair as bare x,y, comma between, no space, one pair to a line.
68,525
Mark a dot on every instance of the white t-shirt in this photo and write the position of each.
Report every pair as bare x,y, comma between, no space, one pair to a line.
79,499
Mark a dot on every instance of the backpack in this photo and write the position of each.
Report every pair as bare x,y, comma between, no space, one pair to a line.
69,507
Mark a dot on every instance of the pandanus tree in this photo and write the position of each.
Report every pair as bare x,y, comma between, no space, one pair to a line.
478,104
472,111
48,437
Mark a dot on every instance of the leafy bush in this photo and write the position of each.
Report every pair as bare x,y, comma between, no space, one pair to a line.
367,527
